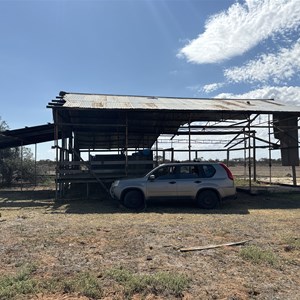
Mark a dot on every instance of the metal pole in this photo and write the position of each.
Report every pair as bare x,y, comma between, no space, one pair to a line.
189,141
126,150
35,156
56,154
62,164
245,162
22,167
227,160
294,175
254,158
118,140
249,158
270,154
172,151
156,152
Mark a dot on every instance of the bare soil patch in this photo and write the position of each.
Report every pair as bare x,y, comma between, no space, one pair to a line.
67,239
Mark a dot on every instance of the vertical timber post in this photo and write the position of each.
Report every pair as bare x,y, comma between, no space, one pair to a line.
172,151
126,146
228,158
254,158
294,175
190,139
21,167
156,152
245,162
62,164
35,157
270,153
249,156
56,154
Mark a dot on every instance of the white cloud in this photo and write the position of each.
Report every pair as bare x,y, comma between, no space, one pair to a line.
208,88
276,67
240,28
289,95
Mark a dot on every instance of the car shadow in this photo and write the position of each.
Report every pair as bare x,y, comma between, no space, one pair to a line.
26,199
103,204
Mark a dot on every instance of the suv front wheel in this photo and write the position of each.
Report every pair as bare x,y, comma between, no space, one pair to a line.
134,200
207,199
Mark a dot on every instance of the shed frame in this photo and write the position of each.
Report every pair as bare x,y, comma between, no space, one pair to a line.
124,124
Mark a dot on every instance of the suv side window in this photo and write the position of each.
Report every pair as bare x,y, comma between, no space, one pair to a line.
166,172
207,171
187,171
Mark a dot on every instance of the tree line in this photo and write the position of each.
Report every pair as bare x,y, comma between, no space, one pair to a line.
15,163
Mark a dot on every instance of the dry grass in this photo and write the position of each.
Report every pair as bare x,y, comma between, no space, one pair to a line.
83,249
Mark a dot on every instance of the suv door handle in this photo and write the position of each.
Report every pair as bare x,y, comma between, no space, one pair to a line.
172,182
198,181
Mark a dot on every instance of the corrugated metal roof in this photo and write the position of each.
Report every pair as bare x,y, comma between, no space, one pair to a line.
99,121
102,101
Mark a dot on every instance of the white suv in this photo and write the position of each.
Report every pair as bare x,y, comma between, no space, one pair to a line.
207,183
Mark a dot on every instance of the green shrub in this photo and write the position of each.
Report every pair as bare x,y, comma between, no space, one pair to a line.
19,284
158,283
84,284
22,283
257,255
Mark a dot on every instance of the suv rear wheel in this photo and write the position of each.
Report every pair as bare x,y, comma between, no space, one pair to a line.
134,200
207,199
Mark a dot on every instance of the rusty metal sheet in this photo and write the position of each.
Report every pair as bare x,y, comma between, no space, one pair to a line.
99,101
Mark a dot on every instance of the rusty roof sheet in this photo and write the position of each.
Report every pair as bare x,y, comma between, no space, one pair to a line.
120,102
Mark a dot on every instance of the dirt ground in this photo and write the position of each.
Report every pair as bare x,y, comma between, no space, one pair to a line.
92,236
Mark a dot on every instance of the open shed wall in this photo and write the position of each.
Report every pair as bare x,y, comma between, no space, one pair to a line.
101,121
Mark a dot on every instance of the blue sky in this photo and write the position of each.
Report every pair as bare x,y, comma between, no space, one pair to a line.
203,48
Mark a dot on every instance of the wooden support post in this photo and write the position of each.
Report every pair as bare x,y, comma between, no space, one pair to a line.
156,152
249,158
245,161
228,157
294,175
254,158
56,154
62,164
190,142
35,157
270,153
126,146
22,167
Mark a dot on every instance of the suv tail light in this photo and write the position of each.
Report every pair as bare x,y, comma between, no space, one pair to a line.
229,174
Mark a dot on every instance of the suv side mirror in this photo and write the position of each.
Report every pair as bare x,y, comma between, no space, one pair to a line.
152,177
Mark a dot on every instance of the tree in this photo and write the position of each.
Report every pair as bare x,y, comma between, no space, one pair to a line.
15,163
